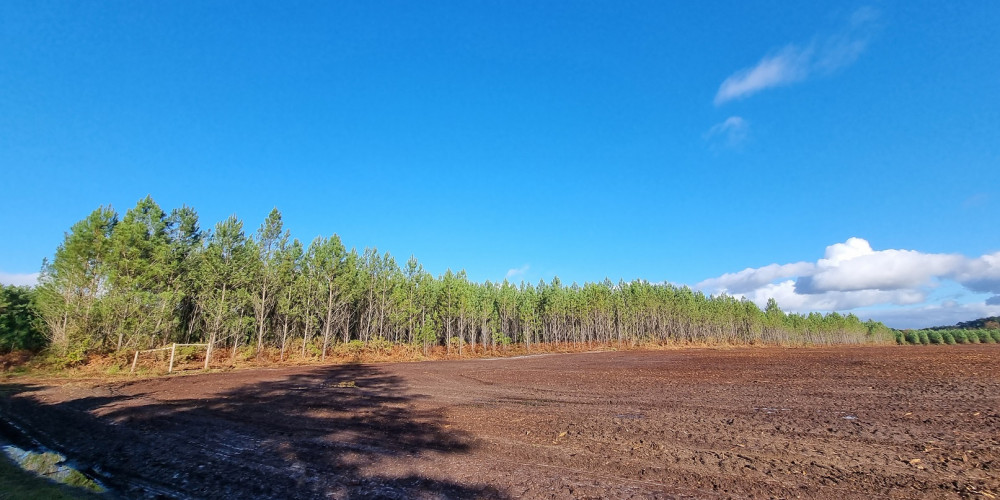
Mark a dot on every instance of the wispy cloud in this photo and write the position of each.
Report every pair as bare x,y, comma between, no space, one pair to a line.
977,200
797,62
789,65
29,279
732,132
751,279
517,272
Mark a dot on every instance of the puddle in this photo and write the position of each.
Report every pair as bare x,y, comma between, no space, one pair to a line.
770,411
20,448
52,466
630,416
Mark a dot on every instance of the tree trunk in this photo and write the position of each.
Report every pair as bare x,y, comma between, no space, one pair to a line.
284,337
261,318
329,319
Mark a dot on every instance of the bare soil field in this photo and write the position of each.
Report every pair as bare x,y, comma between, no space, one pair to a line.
836,422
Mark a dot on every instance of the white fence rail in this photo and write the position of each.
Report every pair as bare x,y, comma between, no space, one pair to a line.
173,352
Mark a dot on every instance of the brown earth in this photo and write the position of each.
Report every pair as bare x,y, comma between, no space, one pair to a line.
837,422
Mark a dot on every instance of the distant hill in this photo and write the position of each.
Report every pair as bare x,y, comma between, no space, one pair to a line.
976,324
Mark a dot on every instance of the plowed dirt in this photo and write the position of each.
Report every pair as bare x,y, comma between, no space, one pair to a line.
839,422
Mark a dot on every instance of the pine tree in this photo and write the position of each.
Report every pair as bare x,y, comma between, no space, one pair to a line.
266,281
71,285
224,277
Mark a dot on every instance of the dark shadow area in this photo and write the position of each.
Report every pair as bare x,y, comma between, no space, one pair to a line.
334,432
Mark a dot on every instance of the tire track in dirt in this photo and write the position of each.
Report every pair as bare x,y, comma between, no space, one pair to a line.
833,422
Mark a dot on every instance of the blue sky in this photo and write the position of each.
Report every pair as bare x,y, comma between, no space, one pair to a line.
672,143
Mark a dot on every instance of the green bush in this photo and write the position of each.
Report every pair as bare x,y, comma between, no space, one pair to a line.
984,337
923,337
355,347
995,335
74,357
246,352
948,337
960,336
971,335
21,326
380,345
315,347
898,335
911,337
935,337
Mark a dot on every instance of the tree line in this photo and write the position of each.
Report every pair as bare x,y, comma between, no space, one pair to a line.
988,323
149,277
950,336
21,327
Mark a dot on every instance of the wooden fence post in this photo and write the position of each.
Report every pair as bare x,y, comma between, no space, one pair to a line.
173,350
134,361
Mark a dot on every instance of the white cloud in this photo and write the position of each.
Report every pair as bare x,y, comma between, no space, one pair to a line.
853,275
517,272
839,252
982,274
29,279
789,65
853,265
795,63
732,132
844,47
791,300
750,279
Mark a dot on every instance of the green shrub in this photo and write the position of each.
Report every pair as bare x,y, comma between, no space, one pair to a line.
73,357
960,337
971,335
315,347
898,335
355,347
501,339
21,326
948,337
187,354
935,337
984,337
923,337
995,335
380,345
911,337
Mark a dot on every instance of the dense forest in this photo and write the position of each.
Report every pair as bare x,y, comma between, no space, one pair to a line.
989,323
148,278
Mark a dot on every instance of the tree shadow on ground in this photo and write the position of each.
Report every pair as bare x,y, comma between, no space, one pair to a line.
346,431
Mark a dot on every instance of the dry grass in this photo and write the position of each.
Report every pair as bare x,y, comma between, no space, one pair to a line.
117,366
